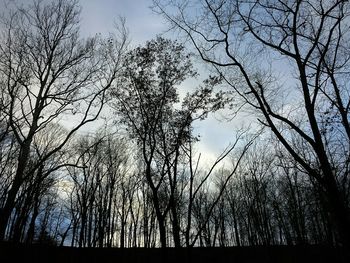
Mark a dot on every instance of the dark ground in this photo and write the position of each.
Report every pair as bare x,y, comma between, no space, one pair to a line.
36,253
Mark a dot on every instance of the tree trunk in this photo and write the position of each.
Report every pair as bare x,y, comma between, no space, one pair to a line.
176,227
31,230
162,233
6,211
339,211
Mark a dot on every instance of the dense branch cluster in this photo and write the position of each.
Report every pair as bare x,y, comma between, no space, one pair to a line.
139,182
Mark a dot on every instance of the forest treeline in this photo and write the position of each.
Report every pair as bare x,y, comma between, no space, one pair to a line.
138,180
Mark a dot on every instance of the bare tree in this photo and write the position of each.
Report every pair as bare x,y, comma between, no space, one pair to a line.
313,40
48,73
101,184
211,199
145,103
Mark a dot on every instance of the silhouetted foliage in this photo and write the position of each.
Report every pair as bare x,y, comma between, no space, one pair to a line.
46,71
308,111
138,180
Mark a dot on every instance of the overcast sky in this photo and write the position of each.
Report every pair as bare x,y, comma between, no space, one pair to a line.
100,15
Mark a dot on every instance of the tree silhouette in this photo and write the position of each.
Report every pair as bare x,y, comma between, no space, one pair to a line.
47,72
311,37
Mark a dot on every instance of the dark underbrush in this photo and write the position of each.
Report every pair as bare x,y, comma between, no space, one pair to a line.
289,254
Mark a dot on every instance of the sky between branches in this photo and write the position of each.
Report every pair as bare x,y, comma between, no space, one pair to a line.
144,24
100,16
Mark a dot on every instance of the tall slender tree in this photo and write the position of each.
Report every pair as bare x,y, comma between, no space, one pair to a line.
48,72
243,39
